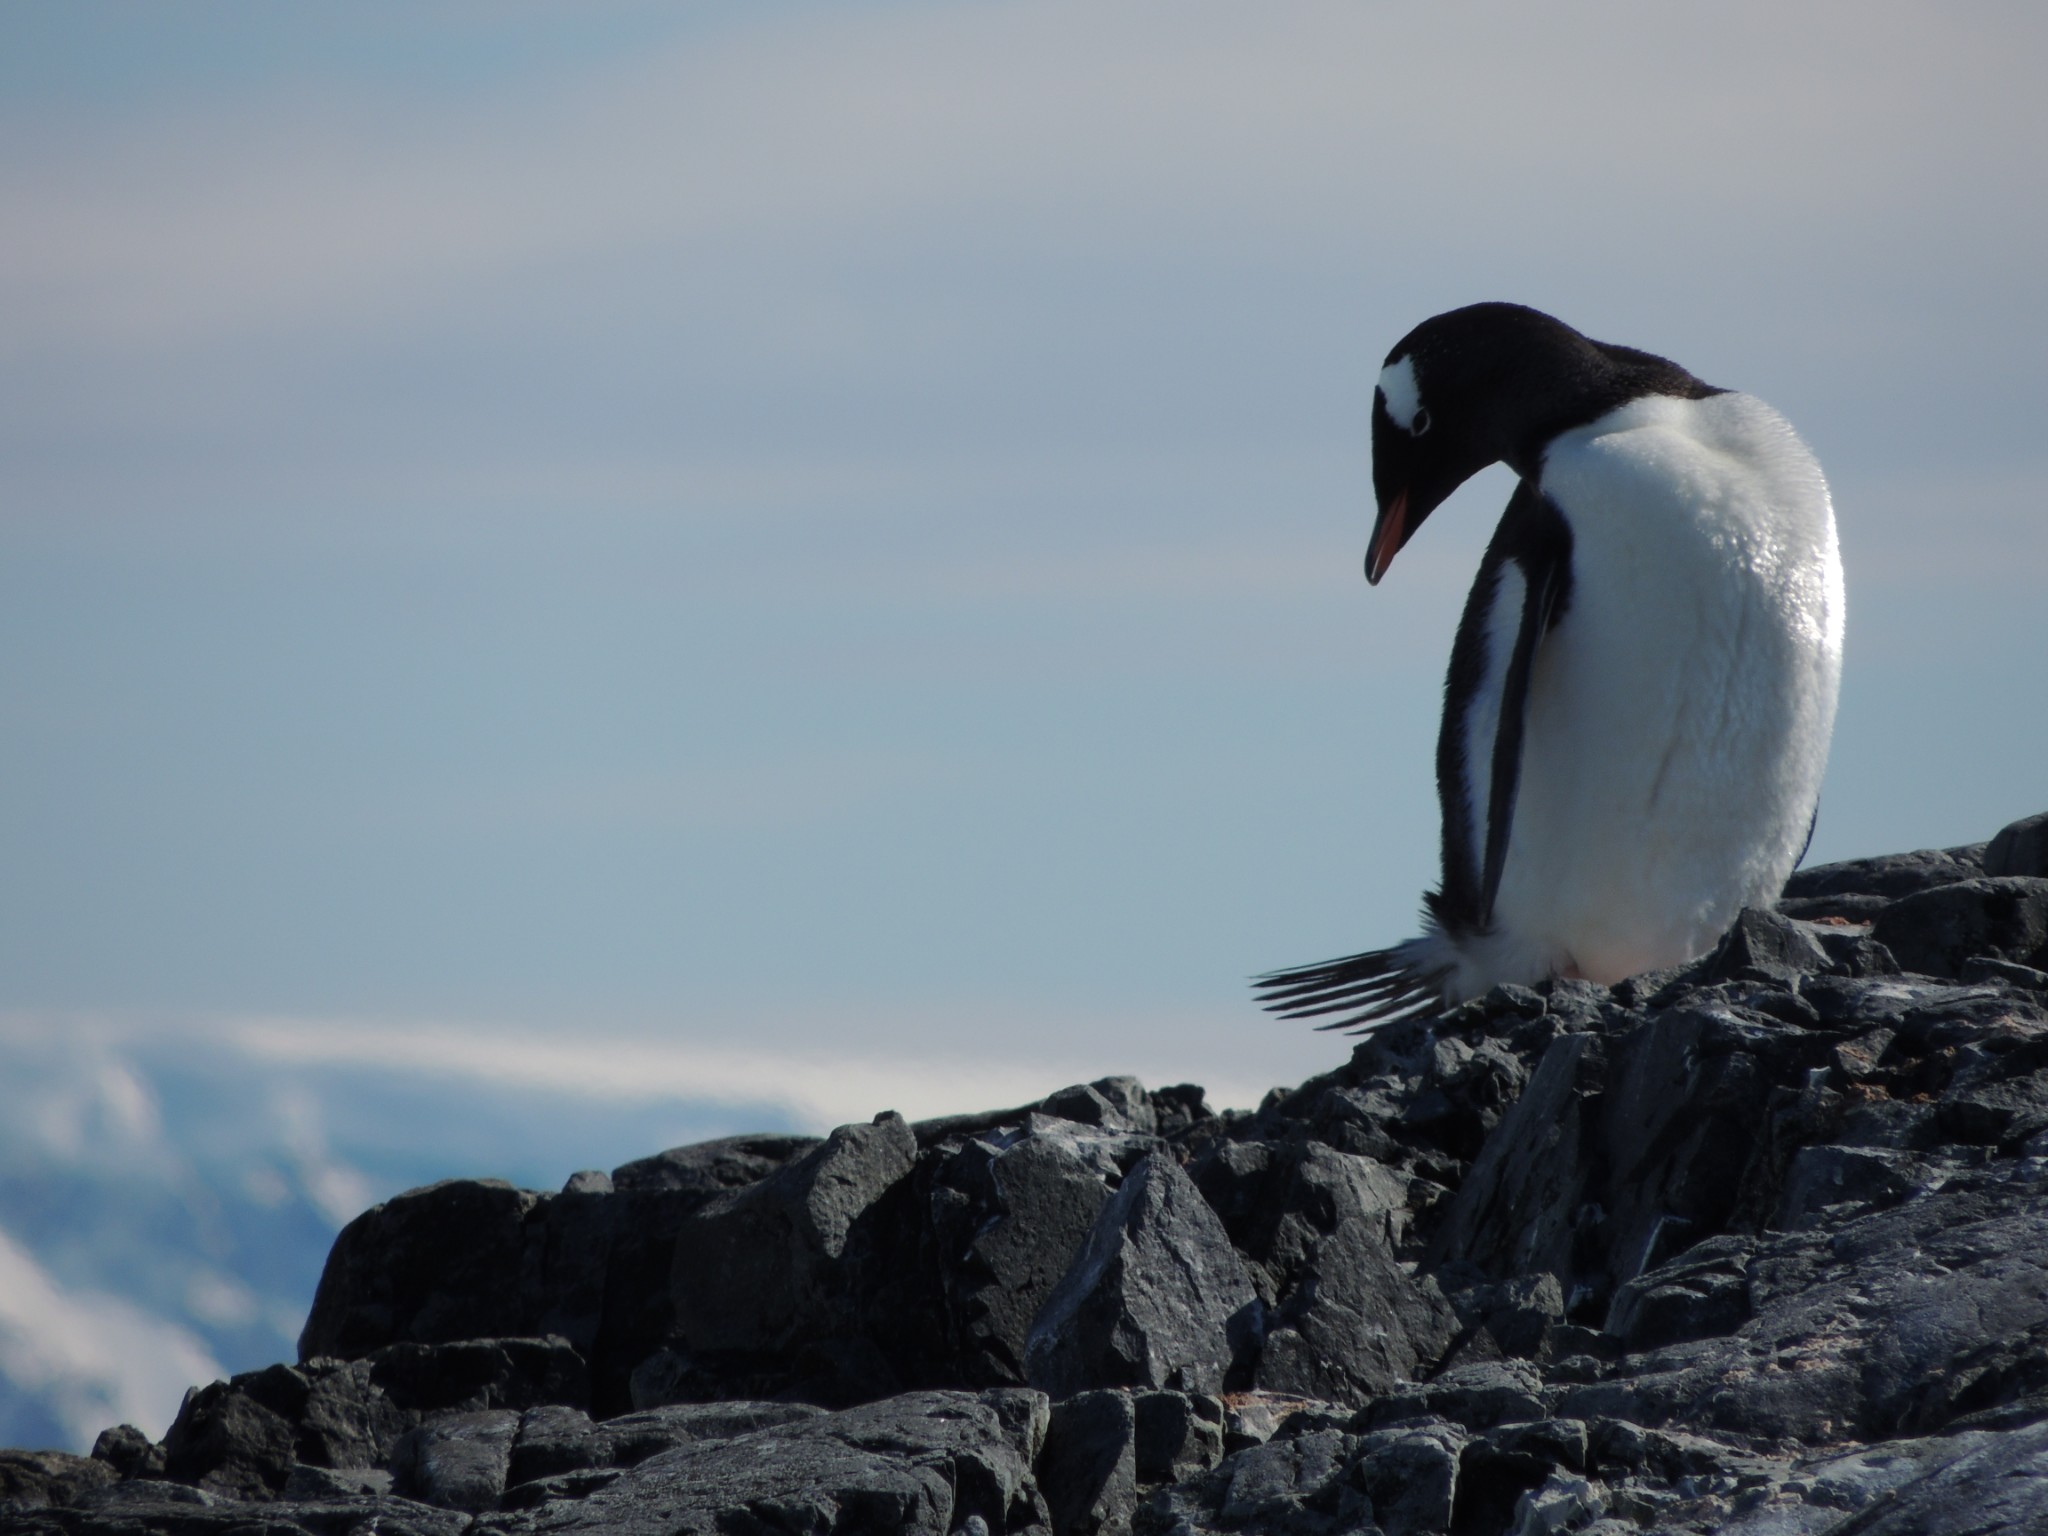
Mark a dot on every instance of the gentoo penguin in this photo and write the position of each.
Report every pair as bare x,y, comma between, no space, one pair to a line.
1643,682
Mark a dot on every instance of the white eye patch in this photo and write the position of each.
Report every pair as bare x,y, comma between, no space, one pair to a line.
1403,394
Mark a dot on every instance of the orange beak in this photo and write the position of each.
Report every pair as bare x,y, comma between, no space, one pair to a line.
1386,538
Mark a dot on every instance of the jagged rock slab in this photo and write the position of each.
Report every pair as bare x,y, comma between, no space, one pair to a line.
40,1479
925,1463
1157,1297
1009,1209
1357,1322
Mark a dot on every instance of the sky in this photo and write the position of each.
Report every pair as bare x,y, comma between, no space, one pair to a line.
815,550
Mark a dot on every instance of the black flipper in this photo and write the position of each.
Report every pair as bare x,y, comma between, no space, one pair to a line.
1544,555
1384,985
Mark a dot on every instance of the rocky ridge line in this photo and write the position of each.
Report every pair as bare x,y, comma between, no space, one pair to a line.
1756,1246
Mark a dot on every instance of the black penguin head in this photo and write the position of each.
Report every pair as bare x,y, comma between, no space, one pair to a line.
1485,384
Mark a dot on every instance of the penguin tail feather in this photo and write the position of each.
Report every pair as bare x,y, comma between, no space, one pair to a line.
1380,986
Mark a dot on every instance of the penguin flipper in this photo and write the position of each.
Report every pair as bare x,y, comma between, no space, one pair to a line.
1546,571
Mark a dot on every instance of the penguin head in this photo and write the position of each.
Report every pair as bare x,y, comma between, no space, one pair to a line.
1485,384
1423,449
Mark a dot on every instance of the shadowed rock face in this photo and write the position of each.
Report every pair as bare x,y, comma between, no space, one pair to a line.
1756,1246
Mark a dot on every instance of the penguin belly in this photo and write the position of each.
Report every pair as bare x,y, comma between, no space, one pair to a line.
1679,711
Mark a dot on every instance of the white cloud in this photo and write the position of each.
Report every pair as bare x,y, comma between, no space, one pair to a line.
1017,1056
94,1359
85,1104
817,1088
333,1188
221,1300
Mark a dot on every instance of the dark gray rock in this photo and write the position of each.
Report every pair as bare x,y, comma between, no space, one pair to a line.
1768,946
710,1168
1818,1493
1009,1212
142,1507
1253,1418
550,1440
1853,952
1114,1103
1106,1102
1999,1485
451,1261
1562,1502
1319,1479
1513,1318
774,1278
1088,1471
347,1420
243,1438
1982,968
318,1485
1830,1182
1891,874
1630,1146
457,1460
922,1463
1502,1471
1110,1103
1156,1298
129,1509
1935,931
1177,1434
237,1438
635,1231
1181,1112
2020,849
131,1496
1357,1324
1475,1396
559,1452
1685,1125
476,1259
1876,1328
668,1375
1306,1193
40,1479
1237,1179
1516,1210
631,1438
1410,1477
480,1373
1295,1484
1702,1293
129,1451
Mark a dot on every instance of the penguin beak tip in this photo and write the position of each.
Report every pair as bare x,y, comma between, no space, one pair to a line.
1387,538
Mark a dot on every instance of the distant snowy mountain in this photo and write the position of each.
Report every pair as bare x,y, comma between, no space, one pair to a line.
168,1192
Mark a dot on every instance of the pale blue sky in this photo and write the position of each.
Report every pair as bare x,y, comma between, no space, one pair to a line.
836,530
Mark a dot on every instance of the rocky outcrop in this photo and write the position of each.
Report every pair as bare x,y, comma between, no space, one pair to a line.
1756,1246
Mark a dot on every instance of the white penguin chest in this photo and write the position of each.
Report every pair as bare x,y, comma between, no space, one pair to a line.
1679,711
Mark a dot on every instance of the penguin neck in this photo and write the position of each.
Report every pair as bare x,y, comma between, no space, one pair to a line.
1577,390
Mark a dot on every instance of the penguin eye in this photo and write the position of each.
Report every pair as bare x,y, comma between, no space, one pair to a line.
1421,423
